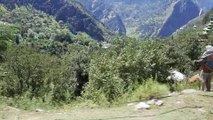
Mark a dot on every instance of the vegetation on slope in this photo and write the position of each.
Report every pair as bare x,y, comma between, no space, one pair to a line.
75,67
70,12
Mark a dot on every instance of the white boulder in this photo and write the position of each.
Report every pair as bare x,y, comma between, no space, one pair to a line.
151,102
159,103
142,105
176,76
39,110
174,94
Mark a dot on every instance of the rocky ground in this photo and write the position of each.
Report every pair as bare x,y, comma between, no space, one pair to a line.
187,105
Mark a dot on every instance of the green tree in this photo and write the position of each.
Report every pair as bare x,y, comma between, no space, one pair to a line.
26,71
8,34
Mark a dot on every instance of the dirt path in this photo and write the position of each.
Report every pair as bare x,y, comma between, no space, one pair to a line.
194,106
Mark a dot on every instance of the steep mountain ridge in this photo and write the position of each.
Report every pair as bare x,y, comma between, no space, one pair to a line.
138,16
70,12
134,18
145,18
182,13
106,15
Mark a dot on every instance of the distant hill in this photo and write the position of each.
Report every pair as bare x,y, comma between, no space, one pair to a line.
134,18
145,18
70,12
103,12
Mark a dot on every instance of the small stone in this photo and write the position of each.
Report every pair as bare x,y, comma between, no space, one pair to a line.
39,110
174,94
201,110
159,102
151,102
178,102
142,105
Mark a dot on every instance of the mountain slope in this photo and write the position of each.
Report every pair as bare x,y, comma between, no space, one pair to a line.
183,12
145,18
72,13
106,15
138,16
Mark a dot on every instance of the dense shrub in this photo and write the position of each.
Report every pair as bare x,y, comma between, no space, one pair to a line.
119,69
8,36
149,90
26,71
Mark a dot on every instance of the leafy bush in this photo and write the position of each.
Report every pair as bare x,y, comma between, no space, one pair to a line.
8,36
26,71
120,68
149,90
182,48
104,83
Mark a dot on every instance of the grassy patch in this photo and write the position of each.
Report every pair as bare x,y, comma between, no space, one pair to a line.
25,103
185,85
150,89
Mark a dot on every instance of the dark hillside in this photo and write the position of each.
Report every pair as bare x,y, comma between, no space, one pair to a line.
72,13
183,12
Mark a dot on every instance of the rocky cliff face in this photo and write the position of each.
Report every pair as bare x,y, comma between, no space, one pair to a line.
136,18
70,12
145,18
182,13
205,5
103,12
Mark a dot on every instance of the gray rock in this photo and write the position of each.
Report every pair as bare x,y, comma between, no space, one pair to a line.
151,102
159,103
202,110
174,94
39,110
142,105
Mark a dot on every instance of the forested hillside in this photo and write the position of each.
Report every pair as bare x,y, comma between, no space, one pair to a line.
71,13
42,62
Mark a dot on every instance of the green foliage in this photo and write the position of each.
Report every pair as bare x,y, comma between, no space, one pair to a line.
34,75
207,16
100,75
182,49
26,71
149,90
82,39
120,68
185,85
51,65
8,34
73,74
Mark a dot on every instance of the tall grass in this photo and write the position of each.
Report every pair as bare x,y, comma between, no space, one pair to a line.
178,87
150,89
